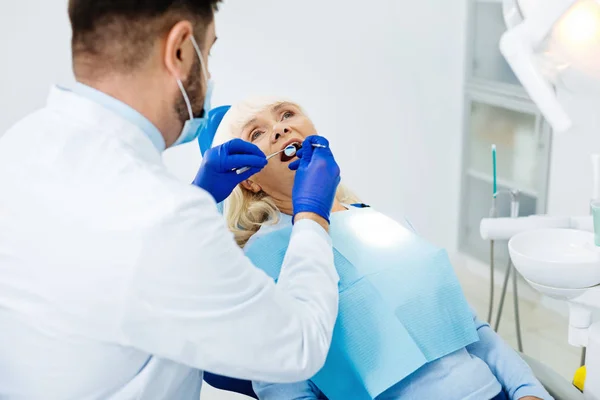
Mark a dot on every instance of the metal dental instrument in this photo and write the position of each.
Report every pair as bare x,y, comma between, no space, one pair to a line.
289,151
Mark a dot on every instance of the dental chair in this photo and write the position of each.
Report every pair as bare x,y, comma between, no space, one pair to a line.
556,385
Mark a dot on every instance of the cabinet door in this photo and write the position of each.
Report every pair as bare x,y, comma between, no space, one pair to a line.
516,136
487,63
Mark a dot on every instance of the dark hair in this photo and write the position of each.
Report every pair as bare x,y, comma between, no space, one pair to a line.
121,33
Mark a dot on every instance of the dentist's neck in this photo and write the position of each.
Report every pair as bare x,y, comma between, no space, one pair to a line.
139,92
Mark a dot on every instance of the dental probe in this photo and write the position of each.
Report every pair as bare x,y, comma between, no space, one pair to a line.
289,151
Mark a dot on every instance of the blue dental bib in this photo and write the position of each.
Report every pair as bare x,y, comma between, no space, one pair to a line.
401,305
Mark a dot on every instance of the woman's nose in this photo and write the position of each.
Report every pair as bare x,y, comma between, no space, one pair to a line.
279,133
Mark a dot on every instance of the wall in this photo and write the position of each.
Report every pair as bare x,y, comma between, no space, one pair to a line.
382,79
570,186
35,52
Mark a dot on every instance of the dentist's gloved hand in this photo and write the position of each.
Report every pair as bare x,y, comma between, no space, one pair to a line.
317,178
217,175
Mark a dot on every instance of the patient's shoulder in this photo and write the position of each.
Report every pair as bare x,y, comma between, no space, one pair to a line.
282,221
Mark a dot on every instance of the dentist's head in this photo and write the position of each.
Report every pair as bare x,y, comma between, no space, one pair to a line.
150,54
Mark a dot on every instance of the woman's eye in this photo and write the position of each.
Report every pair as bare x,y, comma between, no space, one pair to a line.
287,114
255,135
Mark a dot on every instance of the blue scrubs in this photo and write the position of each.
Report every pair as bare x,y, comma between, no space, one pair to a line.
487,369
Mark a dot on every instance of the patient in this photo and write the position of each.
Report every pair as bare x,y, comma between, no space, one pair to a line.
483,367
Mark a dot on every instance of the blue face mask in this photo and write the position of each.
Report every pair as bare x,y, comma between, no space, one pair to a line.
193,126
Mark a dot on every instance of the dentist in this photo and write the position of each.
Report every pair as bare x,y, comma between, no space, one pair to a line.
116,280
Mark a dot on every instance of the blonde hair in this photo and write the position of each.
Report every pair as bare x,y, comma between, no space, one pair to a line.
244,210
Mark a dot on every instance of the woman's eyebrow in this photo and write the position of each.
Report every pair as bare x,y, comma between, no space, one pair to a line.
279,106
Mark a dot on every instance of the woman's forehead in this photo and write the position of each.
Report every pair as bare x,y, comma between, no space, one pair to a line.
261,114
244,113
269,111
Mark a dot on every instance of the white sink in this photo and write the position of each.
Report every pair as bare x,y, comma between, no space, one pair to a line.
557,258
557,293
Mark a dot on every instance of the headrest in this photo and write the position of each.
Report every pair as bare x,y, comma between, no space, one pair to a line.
205,139
215,116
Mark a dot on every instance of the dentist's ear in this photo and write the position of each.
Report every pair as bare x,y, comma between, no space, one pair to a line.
251,186
179,54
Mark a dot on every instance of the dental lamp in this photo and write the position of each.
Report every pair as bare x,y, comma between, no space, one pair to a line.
547,43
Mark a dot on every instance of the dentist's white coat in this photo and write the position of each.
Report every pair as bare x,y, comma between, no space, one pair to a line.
117,281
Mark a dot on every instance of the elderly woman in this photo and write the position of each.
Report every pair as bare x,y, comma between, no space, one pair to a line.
404,330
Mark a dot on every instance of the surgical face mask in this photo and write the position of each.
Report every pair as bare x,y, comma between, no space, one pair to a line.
193,126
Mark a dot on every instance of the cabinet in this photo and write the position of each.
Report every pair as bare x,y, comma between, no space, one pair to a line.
497,111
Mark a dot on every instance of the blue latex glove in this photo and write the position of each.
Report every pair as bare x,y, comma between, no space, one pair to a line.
317,178
216,174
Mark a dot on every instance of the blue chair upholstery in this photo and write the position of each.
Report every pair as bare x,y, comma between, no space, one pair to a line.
206,137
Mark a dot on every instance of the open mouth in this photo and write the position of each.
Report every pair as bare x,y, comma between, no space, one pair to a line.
290,151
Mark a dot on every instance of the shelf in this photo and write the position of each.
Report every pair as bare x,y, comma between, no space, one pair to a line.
498,89
493,95
502,182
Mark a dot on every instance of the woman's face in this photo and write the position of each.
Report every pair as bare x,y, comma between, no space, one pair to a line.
272,130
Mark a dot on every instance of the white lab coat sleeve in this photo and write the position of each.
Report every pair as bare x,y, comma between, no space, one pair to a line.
196,299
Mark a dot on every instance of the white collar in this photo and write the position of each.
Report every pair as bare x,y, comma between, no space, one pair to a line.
95,117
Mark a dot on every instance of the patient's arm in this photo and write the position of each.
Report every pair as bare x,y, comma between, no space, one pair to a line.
512,372
305,390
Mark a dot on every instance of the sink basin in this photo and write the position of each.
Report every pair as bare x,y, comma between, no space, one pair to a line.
557,258
557,293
